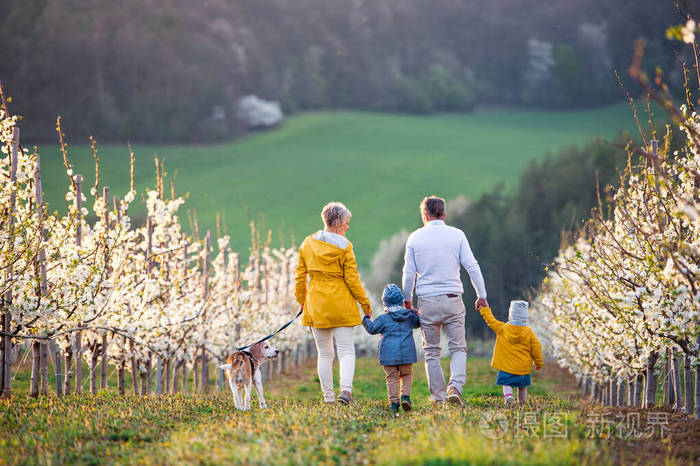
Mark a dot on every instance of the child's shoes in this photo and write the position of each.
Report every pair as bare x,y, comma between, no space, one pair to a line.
406,402
509,401
394,408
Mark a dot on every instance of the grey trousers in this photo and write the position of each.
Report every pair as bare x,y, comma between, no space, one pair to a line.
449,313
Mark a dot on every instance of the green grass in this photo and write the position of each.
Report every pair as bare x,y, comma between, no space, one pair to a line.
380,165
298,428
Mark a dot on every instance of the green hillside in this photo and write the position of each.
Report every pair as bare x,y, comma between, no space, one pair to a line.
379,165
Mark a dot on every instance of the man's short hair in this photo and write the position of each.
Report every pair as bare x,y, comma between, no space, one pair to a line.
433,206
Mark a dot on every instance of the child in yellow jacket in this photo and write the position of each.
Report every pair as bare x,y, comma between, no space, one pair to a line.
515,350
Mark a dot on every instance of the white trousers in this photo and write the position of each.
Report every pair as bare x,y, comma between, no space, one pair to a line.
345,342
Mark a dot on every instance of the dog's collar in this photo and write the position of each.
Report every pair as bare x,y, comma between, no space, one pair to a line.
249,354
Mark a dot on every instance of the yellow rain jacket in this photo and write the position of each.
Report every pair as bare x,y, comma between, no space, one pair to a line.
330,298
516,346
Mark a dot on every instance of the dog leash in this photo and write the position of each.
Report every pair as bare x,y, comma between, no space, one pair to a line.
273,333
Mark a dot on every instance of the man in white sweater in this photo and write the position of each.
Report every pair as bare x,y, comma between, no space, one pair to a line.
432,262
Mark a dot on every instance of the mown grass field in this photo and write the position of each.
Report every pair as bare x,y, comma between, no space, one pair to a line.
380,165
297,428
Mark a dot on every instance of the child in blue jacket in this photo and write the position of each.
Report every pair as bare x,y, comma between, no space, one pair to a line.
397,351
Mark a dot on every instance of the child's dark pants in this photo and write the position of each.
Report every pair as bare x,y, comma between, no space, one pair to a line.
395,375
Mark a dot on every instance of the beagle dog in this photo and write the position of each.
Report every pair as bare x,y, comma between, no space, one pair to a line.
242,370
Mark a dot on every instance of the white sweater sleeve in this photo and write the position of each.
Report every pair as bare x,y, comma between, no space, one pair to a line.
409,273
468,261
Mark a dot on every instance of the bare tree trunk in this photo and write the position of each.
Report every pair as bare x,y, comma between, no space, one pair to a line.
668,380
639,389
677,389
195,372
697,386
44,368
159,376
149,372
68,381
630,390
621,386
651,381
697,393
120,377
613,392
176,377
2,347
94,357
59,371
168,374
144,383
78,362
134,369
584,386
605,388
184,376
36,357
103,368
688,375
7,355
205,371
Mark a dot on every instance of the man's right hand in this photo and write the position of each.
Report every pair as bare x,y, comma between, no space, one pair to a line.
481,302
408,305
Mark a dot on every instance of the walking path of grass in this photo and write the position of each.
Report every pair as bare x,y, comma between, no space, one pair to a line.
298,428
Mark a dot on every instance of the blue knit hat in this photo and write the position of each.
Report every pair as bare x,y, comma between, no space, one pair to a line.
392,295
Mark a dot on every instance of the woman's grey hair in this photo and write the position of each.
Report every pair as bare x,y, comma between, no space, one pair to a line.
335,214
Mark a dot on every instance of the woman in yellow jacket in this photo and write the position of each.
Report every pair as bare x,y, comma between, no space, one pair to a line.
515,350
330,298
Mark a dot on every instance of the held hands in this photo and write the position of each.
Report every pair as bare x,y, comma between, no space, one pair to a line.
409,305
537,368
481,302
